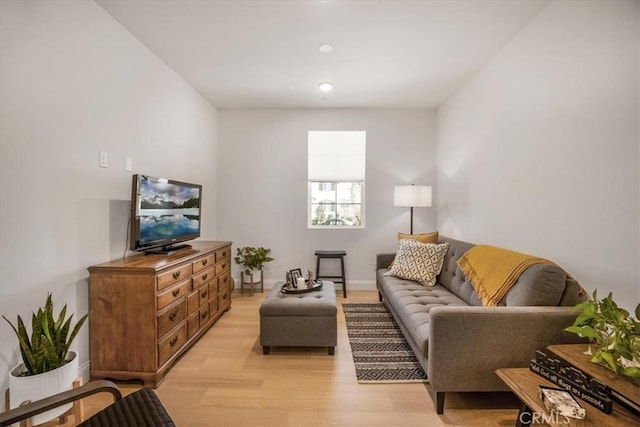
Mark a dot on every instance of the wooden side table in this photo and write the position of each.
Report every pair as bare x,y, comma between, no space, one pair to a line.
525,384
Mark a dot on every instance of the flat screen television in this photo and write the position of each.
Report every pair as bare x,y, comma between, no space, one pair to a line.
164,213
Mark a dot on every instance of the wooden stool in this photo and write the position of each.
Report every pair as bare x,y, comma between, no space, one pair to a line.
332,255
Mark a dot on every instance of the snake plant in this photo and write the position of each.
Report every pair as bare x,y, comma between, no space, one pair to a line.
614,332
49,343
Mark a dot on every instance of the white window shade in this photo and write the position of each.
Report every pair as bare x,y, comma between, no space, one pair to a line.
336,155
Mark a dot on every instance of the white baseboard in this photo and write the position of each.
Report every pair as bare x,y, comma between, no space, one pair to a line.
84,372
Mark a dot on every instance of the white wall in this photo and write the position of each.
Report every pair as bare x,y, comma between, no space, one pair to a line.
538,152
74,83
262,192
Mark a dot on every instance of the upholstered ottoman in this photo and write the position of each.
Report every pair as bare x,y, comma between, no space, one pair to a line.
299,320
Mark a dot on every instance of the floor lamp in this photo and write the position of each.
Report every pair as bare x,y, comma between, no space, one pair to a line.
412,196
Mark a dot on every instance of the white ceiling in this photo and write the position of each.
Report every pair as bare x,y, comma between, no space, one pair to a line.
264,54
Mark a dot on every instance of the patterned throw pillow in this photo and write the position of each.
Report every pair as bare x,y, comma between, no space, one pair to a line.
417,261
423,237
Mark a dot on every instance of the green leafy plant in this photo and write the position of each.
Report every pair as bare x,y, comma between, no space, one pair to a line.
614,333
252,258
49,343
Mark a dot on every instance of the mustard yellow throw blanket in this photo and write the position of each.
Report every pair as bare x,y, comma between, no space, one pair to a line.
493,271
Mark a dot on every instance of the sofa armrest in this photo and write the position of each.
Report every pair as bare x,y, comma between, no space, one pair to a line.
467,344
384,260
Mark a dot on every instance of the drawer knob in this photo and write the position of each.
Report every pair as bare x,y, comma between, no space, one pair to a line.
204,262
173,341
173,315
225,279
204,315
176,274
224,296
203,294
205,277
175,292
224,266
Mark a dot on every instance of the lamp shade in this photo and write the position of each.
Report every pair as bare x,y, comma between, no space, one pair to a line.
412,196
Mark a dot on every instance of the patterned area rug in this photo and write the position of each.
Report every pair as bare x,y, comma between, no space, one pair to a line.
380,352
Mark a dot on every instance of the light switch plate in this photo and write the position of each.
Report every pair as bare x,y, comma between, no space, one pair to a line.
128,164
103,161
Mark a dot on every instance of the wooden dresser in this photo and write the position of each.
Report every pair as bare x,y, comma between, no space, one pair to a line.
146,311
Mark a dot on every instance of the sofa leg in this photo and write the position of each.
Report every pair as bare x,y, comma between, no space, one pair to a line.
379,296
440,402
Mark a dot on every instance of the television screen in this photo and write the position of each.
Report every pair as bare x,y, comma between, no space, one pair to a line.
164,212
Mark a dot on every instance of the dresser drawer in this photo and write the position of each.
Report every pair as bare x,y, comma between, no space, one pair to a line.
193,324
174,293
205,313
193,301
204,276
213,306
203,294
222,254
175,275
213,287
223,266
224,298
172,342
171,317
204,262
224,280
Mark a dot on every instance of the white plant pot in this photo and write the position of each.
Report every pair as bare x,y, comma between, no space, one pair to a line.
254,276
36,387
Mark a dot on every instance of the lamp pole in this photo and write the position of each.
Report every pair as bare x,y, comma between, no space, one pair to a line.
411,209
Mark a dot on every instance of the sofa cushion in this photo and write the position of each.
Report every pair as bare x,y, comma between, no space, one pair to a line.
451,277
415,302
418,261
422,237
540,284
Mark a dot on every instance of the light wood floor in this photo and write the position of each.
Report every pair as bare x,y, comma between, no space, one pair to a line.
224,380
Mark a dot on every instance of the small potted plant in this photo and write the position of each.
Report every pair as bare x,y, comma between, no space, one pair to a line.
614,333
48,366
252,260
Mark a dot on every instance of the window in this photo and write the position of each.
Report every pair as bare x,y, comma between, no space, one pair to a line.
336,172
327,186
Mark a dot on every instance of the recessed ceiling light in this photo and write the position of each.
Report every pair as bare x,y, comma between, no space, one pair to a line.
325,86
325,48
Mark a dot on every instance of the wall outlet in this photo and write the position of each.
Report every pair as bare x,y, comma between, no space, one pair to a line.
103,161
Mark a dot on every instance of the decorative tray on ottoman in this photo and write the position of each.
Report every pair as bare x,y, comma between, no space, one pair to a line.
317,285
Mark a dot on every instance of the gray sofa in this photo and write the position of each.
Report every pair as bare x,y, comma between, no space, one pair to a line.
461,343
